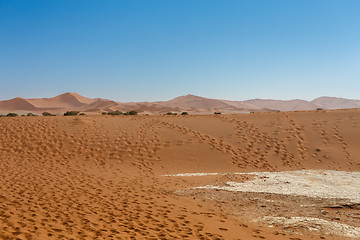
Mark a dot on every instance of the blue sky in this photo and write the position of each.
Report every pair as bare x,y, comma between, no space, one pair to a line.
145,50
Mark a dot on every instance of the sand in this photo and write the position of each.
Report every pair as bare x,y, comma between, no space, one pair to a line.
102,177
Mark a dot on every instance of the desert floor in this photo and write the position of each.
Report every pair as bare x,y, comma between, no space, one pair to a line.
116,177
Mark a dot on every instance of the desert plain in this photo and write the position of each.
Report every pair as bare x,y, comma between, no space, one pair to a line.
270,175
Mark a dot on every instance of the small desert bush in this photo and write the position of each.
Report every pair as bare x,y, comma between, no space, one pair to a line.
71,113
117,112
30,114
12,115
184,113
131,113
217,112
48,114
82,114
170,113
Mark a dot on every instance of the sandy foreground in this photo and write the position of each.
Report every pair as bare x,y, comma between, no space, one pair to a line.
286,175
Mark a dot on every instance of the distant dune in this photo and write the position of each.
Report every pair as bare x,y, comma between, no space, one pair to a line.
289,105
190,103
17,104
66,100
336,103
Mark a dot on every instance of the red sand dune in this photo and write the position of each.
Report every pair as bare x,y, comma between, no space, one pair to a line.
17,104
66,100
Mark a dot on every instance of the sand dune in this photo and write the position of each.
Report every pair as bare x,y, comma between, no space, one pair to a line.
290,105
102,177
336,103
83,99
189,103
99,105
16,104
66,100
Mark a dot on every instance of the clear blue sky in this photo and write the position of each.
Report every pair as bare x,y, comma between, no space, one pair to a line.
145,50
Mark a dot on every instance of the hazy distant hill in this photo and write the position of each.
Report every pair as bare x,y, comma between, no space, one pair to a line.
336,103
282,105
189,103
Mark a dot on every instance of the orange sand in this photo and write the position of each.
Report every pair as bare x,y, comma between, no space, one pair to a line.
100,177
